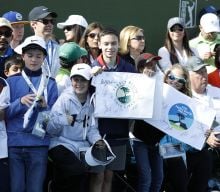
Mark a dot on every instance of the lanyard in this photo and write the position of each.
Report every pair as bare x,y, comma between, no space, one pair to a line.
50,49
42,85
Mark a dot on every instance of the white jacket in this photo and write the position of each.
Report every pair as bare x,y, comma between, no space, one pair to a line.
84,131
4,102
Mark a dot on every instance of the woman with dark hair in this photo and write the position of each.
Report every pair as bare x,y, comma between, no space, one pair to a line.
89,41
73,28
176,47
213,77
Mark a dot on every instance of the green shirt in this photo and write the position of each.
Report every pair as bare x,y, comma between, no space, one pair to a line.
201,45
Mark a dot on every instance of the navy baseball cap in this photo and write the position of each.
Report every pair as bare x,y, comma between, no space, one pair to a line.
208,9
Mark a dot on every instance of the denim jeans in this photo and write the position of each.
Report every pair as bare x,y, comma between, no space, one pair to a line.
150,167
28,166
4,175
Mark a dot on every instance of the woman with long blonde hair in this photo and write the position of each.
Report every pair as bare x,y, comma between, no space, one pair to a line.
132,43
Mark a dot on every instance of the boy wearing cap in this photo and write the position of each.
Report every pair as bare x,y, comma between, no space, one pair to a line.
116,130
5,38
70,54
208,37
31,93
73,129
42,21
17,24
147,137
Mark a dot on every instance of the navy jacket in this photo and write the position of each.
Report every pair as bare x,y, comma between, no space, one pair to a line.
116,130
17,136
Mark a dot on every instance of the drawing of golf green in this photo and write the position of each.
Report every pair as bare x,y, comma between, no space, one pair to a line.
180,116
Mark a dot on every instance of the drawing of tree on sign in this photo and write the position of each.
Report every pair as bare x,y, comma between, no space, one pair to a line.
123,94
180,122
180,116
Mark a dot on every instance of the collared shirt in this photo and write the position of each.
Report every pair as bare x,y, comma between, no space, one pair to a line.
52,62
202,46
63,79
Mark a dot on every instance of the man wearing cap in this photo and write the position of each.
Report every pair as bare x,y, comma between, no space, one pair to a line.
5,39
42,21
207,39
17,24
70,54
199,163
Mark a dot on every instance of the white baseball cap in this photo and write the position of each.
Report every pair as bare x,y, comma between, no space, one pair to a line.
174,21
32,40
5,23
81,69
210,23
73,20
99,156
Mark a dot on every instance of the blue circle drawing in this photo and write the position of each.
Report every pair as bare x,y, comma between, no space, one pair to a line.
180,116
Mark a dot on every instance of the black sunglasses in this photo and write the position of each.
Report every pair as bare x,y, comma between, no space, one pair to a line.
68,28
47,21
6,34
174,29
93,35
138,38
178,79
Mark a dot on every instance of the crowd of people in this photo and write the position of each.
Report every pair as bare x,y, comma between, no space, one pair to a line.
47,114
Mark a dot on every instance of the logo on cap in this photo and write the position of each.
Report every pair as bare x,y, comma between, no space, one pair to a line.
18,16
33,40
79,68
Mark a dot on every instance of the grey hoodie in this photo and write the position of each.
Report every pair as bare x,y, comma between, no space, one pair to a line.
82,133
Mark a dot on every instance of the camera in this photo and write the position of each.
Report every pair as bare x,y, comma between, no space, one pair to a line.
38,130
41,124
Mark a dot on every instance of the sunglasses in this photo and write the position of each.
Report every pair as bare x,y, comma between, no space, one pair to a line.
68,28
174,29
138,38
93,35
178,79
47,21
6,34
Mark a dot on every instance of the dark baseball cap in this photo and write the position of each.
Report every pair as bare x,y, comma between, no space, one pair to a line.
195,63
40,13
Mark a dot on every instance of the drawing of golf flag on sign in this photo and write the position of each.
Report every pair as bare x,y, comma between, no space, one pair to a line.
184,118
124,95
